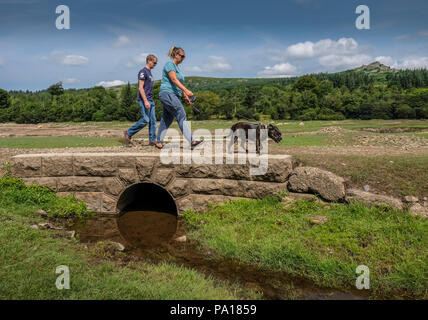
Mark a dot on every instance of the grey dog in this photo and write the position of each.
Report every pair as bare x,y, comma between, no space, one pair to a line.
238,128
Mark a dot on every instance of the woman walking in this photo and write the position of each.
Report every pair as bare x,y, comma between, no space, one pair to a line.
171,90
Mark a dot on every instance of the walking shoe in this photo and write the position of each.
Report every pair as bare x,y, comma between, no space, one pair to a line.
127,138
152,143
196,143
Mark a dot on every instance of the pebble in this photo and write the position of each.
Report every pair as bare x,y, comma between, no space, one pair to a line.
181,239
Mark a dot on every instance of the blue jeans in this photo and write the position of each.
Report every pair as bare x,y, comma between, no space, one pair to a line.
172,108
147,116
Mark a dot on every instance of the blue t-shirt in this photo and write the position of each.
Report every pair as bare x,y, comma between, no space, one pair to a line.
166,83
146,75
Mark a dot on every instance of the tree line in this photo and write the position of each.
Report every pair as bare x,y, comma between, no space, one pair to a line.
344,95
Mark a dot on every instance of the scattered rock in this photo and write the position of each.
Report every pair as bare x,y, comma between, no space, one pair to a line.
411,199
181,239
118,246
419,210
34,226
70,234
49,226
372,199
42,213
301,124
317,219
366,188
309,179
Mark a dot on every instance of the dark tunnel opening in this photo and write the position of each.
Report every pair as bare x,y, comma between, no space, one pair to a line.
146,196
148,215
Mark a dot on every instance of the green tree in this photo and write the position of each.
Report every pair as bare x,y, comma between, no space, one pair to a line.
306,82
126,102
56,89
4,99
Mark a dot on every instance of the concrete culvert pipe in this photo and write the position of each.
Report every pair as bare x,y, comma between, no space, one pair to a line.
148,215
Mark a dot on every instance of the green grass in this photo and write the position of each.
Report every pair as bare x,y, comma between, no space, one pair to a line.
57,142
290,126
274,236
398,175
29,258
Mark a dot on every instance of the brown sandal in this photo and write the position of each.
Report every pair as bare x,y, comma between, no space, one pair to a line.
159,145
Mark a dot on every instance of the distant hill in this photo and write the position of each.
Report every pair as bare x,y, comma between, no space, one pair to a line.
375,67
196,83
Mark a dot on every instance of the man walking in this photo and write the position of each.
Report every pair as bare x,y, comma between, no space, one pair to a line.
145,100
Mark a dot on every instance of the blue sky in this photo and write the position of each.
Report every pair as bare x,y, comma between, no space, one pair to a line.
108,40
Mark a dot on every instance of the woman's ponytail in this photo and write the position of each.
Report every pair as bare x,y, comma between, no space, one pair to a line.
173,51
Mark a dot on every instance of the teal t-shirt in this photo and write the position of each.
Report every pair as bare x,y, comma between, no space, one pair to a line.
166,83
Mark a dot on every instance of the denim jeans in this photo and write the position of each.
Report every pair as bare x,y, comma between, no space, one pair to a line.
172,108
147,116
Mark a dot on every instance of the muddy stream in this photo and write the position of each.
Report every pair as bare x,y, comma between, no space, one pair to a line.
150,235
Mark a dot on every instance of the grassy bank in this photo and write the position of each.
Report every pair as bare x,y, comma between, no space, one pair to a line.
397,175
29,258
282,237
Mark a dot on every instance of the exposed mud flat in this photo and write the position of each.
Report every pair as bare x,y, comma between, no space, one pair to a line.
150,236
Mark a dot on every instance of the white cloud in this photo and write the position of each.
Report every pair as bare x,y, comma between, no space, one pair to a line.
113,83
387,60
337,61
411,63
122,41
1,62
70,81
62,58
283,70
74,60
301,50
423,33
309,49
215,63
406,63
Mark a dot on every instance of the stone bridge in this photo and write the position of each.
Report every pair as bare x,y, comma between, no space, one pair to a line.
111,182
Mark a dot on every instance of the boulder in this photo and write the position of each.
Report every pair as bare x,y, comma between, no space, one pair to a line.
309,179
410,199
372,199
419,210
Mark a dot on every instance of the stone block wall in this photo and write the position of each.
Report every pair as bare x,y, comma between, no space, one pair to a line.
99,178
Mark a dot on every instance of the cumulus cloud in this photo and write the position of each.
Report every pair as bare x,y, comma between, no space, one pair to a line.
62,58
309,49
74,60
107,84
411,63
387,60
282,70
336,61
122,41
405,63
214,63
